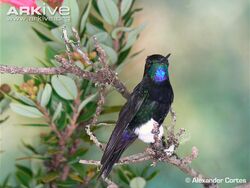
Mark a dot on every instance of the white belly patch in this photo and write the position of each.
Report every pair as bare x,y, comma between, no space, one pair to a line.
145,134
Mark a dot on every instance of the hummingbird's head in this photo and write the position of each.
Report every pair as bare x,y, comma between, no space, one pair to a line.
156,67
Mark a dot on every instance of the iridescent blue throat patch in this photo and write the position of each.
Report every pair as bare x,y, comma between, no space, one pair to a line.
160,74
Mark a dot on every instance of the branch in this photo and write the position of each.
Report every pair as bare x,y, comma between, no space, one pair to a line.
50,122
109,73
75,115
93,137
94,120
31,70
104,76
110,183
136,158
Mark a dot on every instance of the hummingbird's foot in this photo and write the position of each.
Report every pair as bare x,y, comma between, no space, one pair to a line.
163,139
156,131
169,151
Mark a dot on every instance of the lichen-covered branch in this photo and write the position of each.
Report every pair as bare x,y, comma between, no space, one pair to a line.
110,183
31,70
95,118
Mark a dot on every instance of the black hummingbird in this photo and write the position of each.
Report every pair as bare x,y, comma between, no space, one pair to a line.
147,106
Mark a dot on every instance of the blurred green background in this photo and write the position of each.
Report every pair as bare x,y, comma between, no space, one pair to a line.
210,73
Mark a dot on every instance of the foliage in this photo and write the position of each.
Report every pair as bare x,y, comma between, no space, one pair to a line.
66,101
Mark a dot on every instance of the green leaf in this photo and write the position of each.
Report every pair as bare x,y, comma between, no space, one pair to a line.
64,86
50,52
119,29
27,111
4,119
74,11
125,5
88,112
66,184
92,30
123,176
42,36
76,178
137,182
136,53
55,18
54,49
79,168
77,156
79,64
25,99
128,18
39,186
94,3
30,147
151,176
34,124
5,182
39,94
24,169
4,103
86,101
85,16
109,11
132,37
111,109
49,24
57,33
27,77
23,178
145,171
121,58
111,53
57,112
46,95
50,177
95,21
43,63
129,171
102,37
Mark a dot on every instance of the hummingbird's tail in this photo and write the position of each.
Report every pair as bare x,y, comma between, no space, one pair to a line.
113,152
109,162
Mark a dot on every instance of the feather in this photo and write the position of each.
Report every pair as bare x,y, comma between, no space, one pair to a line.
118,141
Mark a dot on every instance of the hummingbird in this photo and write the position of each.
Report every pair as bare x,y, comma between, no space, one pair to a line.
146,107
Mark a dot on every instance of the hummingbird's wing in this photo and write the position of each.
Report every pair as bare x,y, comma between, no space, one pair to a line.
121,138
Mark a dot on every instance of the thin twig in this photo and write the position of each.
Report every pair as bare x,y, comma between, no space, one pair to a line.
93,137
75,115
110,183
100,104
95,118
110,74
136,158
49,121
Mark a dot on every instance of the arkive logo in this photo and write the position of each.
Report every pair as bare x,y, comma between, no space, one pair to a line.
39,10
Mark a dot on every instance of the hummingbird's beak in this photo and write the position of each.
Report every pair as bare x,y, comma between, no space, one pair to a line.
167,56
